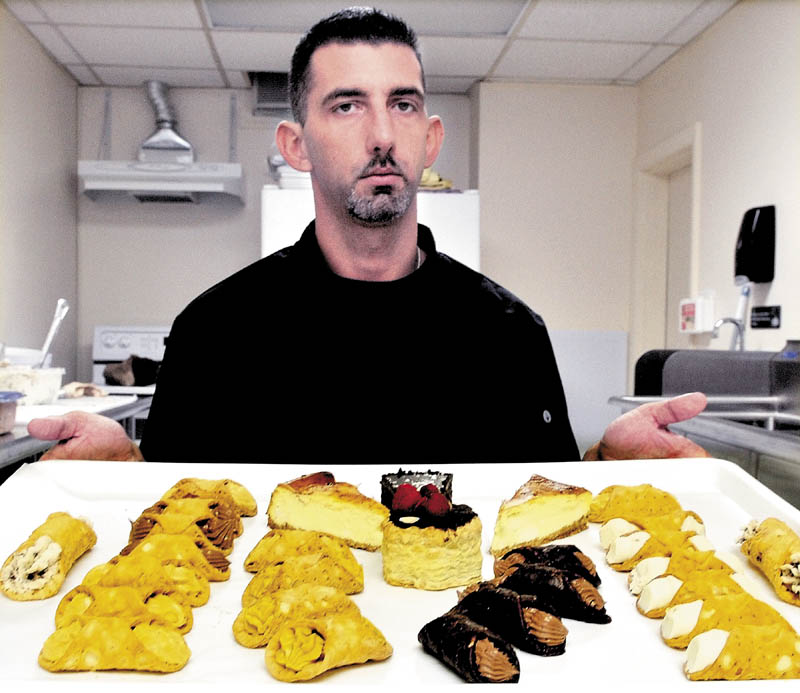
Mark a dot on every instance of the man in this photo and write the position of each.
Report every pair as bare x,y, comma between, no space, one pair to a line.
362,343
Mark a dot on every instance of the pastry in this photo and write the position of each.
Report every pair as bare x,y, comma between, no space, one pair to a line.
774,548
148,574
556,591
628,550
114,643
210,488
38,568
88,601
562,556
179,549
302,649
679,520
311,568
442,482
631,503
279,544
683,621
505,612
431,545
744,653
666,591
320,503
474,652
541,510
684,560
256,624
214,521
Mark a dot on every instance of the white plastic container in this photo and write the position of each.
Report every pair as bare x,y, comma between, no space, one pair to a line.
38,385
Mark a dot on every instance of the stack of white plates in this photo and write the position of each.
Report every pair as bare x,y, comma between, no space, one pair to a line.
289,178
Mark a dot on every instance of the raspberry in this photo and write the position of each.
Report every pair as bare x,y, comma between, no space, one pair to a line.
436,504
406,498
428,490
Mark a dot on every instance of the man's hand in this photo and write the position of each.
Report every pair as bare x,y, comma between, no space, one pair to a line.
83,436
642,433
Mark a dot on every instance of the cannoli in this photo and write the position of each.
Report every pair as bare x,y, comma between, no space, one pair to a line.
563,556
474,652
310,568
178,549
279,544
666,591
631,503
303,649
774,548
215,522
558,592
504,612
257,623
104,643
88,601
148,574
626,551
744,653
38,568
210,488
683,621
676,521
684,560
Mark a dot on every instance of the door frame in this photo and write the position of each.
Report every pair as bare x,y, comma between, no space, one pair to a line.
652,170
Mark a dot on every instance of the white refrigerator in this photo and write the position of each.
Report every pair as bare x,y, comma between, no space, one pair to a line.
454,218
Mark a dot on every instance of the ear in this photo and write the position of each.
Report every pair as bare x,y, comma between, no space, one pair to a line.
434,139
289,138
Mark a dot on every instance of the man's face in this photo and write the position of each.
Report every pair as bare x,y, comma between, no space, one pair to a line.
367,135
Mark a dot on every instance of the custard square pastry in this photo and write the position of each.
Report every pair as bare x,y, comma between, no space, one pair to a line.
38,568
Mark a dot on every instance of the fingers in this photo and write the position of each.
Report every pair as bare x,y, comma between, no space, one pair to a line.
52,428
676,409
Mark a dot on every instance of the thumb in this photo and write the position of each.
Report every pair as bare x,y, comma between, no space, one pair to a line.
52,428
677,409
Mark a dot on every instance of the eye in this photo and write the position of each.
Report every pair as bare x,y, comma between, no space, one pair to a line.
406,106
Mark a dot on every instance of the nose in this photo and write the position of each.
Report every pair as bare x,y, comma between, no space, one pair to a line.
380,138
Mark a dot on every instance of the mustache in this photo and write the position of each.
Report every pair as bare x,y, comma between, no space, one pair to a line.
384,163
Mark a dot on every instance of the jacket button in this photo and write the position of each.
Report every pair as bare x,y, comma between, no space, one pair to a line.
546,416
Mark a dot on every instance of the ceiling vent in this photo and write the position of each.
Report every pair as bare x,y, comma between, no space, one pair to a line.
165,169
271,90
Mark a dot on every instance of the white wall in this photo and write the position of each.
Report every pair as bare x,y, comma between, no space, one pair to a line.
741,81
38,239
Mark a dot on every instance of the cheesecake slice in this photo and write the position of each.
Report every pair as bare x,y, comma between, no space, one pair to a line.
319,503
540,511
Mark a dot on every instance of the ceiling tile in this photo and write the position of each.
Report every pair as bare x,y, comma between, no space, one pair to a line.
459,57
448,85
695,23
25,10
143,47
443,17
238,79
83,74
649,62
136,76
155,13
49,37
255,50
606,20
574,61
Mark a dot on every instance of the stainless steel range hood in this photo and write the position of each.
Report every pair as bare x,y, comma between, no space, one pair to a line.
165,170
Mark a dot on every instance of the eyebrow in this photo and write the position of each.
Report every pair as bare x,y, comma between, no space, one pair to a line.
352,93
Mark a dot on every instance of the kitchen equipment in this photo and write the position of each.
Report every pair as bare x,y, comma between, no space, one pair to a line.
115,343
62,307
8,409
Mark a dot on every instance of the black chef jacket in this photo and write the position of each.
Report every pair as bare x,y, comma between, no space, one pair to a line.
286,361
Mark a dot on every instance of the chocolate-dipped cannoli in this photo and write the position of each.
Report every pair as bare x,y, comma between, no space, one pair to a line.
563,556
504,612
560,592
474,652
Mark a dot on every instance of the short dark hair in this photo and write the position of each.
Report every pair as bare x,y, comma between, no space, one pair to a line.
351,25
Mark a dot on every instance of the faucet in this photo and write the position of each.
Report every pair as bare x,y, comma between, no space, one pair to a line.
738,336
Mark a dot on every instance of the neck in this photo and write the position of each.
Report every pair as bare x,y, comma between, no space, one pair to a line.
369,253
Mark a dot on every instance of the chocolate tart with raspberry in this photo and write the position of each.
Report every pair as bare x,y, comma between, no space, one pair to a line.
429,543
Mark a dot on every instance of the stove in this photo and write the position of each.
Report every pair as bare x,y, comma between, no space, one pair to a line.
115,343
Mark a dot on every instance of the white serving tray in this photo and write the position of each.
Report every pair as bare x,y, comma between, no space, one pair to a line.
627,653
